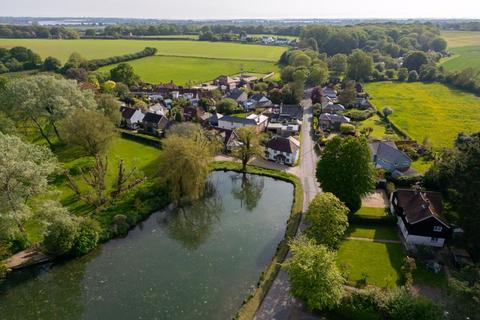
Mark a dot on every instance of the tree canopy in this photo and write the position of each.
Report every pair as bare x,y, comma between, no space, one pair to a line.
327,220
314,275
346,170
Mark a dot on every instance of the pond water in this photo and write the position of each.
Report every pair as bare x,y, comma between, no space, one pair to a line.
196,263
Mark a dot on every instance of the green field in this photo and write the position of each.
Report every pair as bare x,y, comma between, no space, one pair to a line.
461,38
380,263
465,47
92,49
182,70
430,110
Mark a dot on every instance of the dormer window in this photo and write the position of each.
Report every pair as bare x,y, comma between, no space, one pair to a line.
437,229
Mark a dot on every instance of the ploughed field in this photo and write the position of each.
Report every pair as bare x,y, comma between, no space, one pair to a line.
465,47
180,61
428,110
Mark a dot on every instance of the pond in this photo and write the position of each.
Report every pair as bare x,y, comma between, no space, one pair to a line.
195,263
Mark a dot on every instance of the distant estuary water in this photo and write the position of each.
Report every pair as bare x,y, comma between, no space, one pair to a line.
196,263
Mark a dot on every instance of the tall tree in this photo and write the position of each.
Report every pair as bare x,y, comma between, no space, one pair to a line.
183,164
89,130
43,100
415,60
360,65
346,170
124,73
24,172
314,275
110,107
249,145
327,220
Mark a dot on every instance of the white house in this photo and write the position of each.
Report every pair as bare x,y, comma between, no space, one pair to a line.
131,118
283,150
232,123
418,217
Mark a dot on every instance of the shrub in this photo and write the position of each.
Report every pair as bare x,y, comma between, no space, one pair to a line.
386,111
390,73
359,115
360,305
413,76
87,236
402,74
407,269
401,305
19,242
347,128
60,237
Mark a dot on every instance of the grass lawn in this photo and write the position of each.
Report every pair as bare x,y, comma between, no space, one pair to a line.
430,110
380,263
421,165
181,70
91,49
372,212
465,46
372,231
379,130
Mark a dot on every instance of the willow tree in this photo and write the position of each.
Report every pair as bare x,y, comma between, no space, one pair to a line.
184,162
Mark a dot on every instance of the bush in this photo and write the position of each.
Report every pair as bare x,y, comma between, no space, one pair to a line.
413,76
60,237
19,242
347,128
87,236
407,269
402,74
401,305
360,305
359,115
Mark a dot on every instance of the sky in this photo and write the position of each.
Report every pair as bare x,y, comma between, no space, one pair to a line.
225,9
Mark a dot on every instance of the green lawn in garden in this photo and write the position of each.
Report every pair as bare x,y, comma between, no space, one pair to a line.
372,212
101,48
379,128
183,70
380,263
430,110
372,231
421,165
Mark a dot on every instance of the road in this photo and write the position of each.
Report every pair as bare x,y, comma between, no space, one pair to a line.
279,304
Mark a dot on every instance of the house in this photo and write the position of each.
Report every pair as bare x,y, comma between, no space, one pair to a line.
131,117
361,103
192,113
158,108
229,138
226,82
418,216
213,119
333,108
232,123
283,150
153,122
386,155
283,129
238,95
257,100
329,121
330,92
291,114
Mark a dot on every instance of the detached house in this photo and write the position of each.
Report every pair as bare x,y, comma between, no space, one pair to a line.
386,155
283,150
238,95
153,122
418,217
131,117
257,100
330,92
328,121
232,123
333,108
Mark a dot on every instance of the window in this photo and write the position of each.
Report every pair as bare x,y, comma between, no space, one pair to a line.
437,229
434,240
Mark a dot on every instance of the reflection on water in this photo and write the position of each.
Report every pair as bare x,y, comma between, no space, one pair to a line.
196,263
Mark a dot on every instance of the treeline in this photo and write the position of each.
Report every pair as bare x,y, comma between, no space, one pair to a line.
392,39
462,26
18,59
36,31
98,63
176,29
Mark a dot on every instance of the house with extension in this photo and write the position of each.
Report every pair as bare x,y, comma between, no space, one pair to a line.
232,123
330,92
333,108
153,122
238,95
257,100
283,150
131,117
331,121
226,82
386,155
419,216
